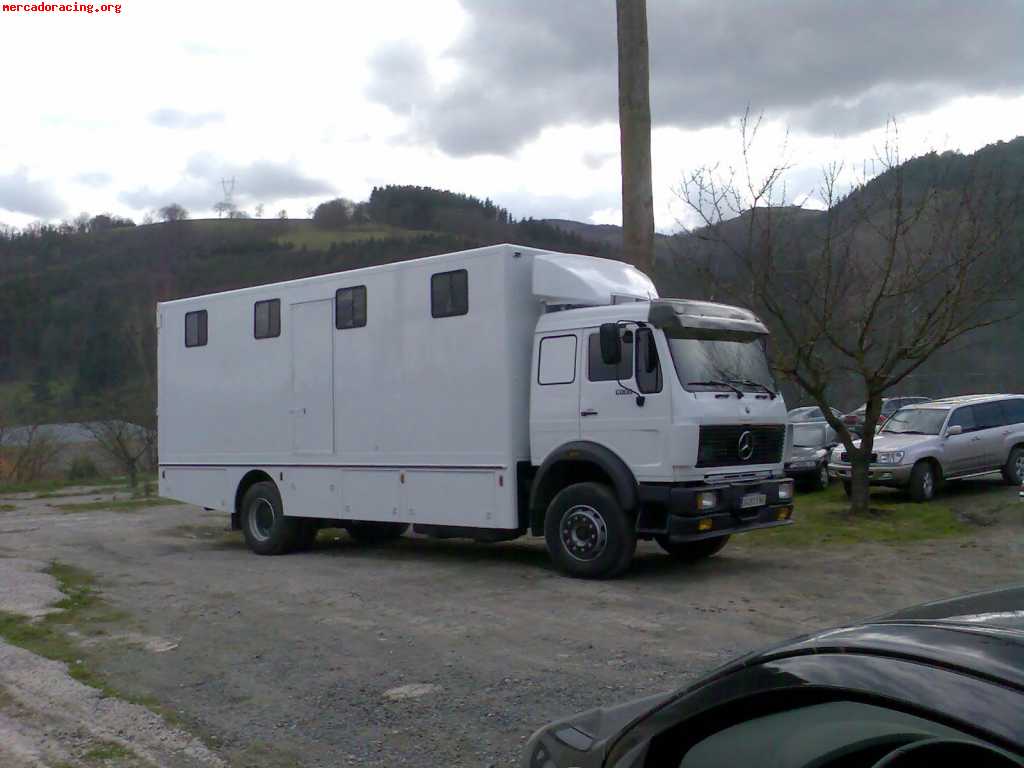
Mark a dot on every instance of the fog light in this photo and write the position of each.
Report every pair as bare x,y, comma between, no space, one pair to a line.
707,499
786,491
705,525
783,513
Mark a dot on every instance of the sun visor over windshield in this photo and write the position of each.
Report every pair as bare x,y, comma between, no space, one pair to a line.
705,321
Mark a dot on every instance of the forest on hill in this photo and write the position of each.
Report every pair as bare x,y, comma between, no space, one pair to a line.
77,299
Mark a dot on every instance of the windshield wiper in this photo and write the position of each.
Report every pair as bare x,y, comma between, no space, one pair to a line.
716,383
747,382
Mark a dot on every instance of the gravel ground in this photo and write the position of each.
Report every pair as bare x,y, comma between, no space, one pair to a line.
426,653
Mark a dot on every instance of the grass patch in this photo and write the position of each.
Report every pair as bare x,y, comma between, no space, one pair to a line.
823,519
123,505
107,751
38,486
82,610
8,507
89,490
56,637
305,234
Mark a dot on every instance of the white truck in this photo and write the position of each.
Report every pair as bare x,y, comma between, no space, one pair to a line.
486,394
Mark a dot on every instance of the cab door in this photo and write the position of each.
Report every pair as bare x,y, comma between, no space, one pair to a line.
554,393
626,407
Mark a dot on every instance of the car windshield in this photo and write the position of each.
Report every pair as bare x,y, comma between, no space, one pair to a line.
721,365
916,421
810,435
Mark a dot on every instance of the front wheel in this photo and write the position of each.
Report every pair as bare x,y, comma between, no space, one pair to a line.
819,481
922,482
588,534
688,551
1013,470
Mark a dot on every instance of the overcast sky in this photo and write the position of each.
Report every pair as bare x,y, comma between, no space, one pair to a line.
509,99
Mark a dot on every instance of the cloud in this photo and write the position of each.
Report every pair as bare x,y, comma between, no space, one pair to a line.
94,178
829,68
176,119
199,188
20,194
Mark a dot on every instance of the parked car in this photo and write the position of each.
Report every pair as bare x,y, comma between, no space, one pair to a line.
923,445
808,461
854,420
810,413
938,684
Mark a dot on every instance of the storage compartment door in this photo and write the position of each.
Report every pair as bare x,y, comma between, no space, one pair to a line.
312,407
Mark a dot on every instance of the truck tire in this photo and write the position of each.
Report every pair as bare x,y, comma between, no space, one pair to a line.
266,528
1013,470
587,533
922,482
689,551
375,533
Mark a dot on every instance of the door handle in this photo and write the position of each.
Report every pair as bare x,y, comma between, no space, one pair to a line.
588,412
299,411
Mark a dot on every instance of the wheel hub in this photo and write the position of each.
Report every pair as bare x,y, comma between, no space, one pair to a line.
261,519
584,533
1020,468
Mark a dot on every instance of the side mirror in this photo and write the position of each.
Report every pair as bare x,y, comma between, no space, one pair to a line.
611,351
956,429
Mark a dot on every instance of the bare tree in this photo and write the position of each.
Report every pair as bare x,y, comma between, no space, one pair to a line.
173,212
123,442
259,210
882,280
635,133
33,455
223,207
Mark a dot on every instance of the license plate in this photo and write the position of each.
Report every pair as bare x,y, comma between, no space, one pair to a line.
753,500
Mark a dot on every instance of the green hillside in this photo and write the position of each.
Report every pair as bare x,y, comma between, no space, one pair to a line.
76,301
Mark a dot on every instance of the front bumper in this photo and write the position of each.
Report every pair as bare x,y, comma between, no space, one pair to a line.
672,509
894,476
802,469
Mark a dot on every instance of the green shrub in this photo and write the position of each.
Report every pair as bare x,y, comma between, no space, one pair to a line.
83,468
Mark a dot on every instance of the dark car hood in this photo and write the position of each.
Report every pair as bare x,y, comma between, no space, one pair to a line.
999,609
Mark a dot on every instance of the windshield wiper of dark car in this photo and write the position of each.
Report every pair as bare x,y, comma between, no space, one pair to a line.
747,382
716,383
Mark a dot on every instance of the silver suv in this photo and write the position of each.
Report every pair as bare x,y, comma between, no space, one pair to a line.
922,445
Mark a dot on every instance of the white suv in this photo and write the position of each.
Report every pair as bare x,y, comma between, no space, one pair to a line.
924,444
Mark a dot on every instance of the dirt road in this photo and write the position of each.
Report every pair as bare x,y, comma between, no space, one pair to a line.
426,653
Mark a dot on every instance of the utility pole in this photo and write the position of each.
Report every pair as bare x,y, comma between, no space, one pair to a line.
635,134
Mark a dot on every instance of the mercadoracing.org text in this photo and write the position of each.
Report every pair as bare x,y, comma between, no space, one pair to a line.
61,8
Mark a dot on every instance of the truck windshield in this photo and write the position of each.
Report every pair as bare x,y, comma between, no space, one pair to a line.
721,365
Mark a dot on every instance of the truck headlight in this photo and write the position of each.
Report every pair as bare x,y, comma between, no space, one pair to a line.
890,457
786,491
707,499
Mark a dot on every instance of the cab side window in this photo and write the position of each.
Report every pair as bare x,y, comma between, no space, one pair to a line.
962,417
648,367
1014,410
989,415
597,370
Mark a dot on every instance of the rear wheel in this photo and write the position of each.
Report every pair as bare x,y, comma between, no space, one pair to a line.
266,528
688,551
922,482
375,533
1013,470
588,534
